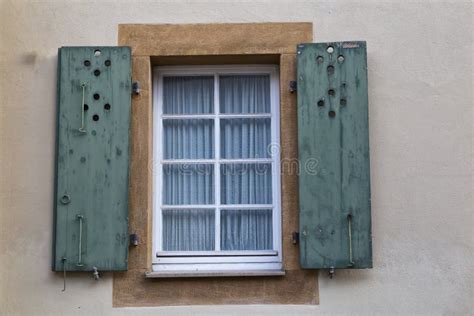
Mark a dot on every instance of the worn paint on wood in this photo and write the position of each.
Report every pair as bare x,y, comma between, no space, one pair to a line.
333,147
91,189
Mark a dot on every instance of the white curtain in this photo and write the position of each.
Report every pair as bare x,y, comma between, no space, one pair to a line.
246,183
185,184
188,230
244,94
188,95
240,183
188,139
245,138
246,230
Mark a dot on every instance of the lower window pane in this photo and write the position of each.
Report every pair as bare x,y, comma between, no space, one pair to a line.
246,230
188,230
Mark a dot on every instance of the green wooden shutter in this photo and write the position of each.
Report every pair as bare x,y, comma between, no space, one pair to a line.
91,187
333,144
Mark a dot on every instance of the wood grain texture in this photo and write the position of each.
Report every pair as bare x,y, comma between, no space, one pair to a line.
92,167
333,144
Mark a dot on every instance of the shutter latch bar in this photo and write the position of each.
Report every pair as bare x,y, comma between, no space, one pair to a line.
64,273
79,260
81,129
349,230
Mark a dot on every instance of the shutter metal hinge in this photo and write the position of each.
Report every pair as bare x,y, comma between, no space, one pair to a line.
295,238
134,240
136,87
293,86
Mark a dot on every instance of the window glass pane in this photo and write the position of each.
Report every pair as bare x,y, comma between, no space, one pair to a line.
241,94
188,230
188,95
246,183
188,184
246,230
188,139
245,138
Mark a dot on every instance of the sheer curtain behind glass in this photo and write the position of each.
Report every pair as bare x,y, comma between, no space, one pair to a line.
188,184
245,183
242,183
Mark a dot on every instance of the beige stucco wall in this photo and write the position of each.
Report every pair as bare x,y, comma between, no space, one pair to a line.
420,79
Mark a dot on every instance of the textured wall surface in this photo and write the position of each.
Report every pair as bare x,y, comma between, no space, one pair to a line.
420,94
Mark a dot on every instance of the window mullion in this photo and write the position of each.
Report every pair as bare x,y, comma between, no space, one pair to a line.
217,172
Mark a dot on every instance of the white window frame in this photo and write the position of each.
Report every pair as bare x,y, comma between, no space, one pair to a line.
215,260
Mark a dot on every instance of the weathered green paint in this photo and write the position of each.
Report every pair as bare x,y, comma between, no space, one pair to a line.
334,181
92,167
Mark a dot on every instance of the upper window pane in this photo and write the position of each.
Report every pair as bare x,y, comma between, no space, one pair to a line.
188,139
244,94
245,138
188,95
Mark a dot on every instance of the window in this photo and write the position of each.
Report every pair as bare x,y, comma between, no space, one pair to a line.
216,168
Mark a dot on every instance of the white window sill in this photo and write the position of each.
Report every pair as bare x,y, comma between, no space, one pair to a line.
204,274
214,254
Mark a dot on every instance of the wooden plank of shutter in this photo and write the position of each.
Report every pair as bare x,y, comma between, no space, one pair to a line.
91,185
333,140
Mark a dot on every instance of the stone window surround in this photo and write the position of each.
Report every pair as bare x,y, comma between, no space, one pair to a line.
206,44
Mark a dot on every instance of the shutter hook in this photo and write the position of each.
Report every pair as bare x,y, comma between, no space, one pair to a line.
331,272
95,273
81,129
